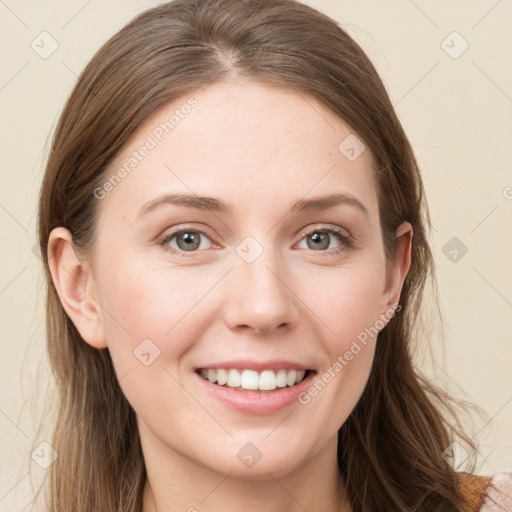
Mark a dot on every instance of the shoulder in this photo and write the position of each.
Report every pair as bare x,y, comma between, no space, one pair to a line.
499,494
486,493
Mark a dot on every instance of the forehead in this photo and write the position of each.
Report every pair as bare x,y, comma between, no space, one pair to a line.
247,142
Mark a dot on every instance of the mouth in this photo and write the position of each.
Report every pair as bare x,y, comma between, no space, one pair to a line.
263,381
255,387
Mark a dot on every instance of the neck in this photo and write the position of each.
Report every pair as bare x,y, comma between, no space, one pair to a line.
175,483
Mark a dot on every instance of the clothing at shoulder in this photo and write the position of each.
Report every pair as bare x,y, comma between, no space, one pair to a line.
485,493
499,495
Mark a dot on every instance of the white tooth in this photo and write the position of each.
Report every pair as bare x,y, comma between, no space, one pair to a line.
290,380
281,379
222,377
233,379
267,380
249,379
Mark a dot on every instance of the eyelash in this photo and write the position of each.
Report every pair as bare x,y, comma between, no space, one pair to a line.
346,240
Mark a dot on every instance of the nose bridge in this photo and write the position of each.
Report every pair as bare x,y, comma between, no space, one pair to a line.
260,295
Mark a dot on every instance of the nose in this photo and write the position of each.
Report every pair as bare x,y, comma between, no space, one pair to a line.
260,296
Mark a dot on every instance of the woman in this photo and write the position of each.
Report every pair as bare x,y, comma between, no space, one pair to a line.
235,235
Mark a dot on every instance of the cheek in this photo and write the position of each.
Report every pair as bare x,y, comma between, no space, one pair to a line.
164,304
152,322
151,301
349,309
347,300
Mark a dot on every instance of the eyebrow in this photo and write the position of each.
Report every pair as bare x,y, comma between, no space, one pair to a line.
219,206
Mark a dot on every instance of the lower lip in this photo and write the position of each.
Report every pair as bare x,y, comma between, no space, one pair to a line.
255,402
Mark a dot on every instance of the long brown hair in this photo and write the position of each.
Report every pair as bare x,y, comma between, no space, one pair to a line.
390,448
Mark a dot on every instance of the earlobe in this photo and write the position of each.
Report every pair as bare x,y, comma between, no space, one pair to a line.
400,266
75,286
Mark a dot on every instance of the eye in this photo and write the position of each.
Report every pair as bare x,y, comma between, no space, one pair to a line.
185,240
318,239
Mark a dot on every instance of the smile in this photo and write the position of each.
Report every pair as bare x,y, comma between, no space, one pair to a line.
253,380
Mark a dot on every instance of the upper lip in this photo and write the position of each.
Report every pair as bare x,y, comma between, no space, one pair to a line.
247,364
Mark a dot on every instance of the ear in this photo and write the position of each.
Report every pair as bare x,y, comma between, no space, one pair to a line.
398,268
75,286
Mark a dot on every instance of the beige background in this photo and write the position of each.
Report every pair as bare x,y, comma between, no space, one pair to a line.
456,111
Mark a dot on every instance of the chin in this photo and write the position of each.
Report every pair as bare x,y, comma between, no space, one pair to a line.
248,462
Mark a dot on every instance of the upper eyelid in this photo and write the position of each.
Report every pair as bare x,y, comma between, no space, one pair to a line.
173,232
320,227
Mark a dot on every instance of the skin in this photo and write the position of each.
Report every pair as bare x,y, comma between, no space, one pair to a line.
259,148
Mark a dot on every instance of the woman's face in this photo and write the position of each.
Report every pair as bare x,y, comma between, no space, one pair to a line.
249,279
